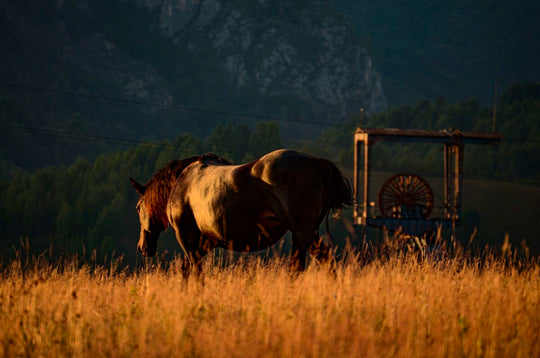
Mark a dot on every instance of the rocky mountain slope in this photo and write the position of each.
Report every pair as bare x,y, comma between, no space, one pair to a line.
299,49
297,60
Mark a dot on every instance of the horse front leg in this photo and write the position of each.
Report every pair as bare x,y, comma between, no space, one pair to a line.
298,255
306,240
195,247
192,264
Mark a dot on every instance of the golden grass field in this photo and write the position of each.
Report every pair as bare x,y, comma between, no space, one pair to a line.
402,306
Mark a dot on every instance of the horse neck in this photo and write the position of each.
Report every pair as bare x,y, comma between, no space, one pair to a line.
160,186
158,192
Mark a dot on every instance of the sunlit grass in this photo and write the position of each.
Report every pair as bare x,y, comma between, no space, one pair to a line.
399,305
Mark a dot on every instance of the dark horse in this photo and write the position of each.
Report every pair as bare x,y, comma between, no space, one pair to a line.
211,203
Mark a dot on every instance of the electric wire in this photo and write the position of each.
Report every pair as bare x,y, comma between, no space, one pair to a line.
207,110
170,106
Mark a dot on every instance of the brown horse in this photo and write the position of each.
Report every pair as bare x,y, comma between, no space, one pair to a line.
211,203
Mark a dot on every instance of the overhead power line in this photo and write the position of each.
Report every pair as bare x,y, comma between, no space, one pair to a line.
173,107
86,137
169,106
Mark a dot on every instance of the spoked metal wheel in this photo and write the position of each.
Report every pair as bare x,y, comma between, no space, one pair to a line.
406,196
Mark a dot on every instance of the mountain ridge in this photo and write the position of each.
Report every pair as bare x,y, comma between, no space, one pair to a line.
290,60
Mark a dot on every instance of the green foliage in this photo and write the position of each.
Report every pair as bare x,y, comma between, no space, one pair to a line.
334,143
239,143
265,138
230,142
86,205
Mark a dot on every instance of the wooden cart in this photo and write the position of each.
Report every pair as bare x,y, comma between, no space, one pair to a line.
405,200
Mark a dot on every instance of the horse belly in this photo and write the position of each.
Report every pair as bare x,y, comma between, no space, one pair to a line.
257,242
256,234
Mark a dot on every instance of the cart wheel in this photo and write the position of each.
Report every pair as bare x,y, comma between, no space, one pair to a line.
406,196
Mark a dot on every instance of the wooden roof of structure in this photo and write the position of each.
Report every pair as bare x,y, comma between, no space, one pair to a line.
423,135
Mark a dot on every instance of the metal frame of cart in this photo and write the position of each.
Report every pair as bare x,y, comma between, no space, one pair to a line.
454,144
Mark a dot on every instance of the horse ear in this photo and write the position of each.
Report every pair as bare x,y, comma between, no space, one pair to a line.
138,187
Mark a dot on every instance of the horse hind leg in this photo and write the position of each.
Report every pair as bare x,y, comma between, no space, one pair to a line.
298,254
322,253
307,241
195,247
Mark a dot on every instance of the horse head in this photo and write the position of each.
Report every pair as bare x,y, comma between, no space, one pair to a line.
151,224
153,202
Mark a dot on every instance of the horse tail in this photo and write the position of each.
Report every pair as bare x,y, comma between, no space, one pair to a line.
337,193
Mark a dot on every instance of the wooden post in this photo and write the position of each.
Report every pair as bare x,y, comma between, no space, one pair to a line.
453,179
357,179
459,178
361,177
367,156
448,212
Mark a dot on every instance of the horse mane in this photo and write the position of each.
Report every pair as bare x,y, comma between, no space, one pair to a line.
159,187
211,156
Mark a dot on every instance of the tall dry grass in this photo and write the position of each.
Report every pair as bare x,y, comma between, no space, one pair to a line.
403,305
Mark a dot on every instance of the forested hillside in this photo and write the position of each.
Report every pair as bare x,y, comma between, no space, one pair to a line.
457,49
